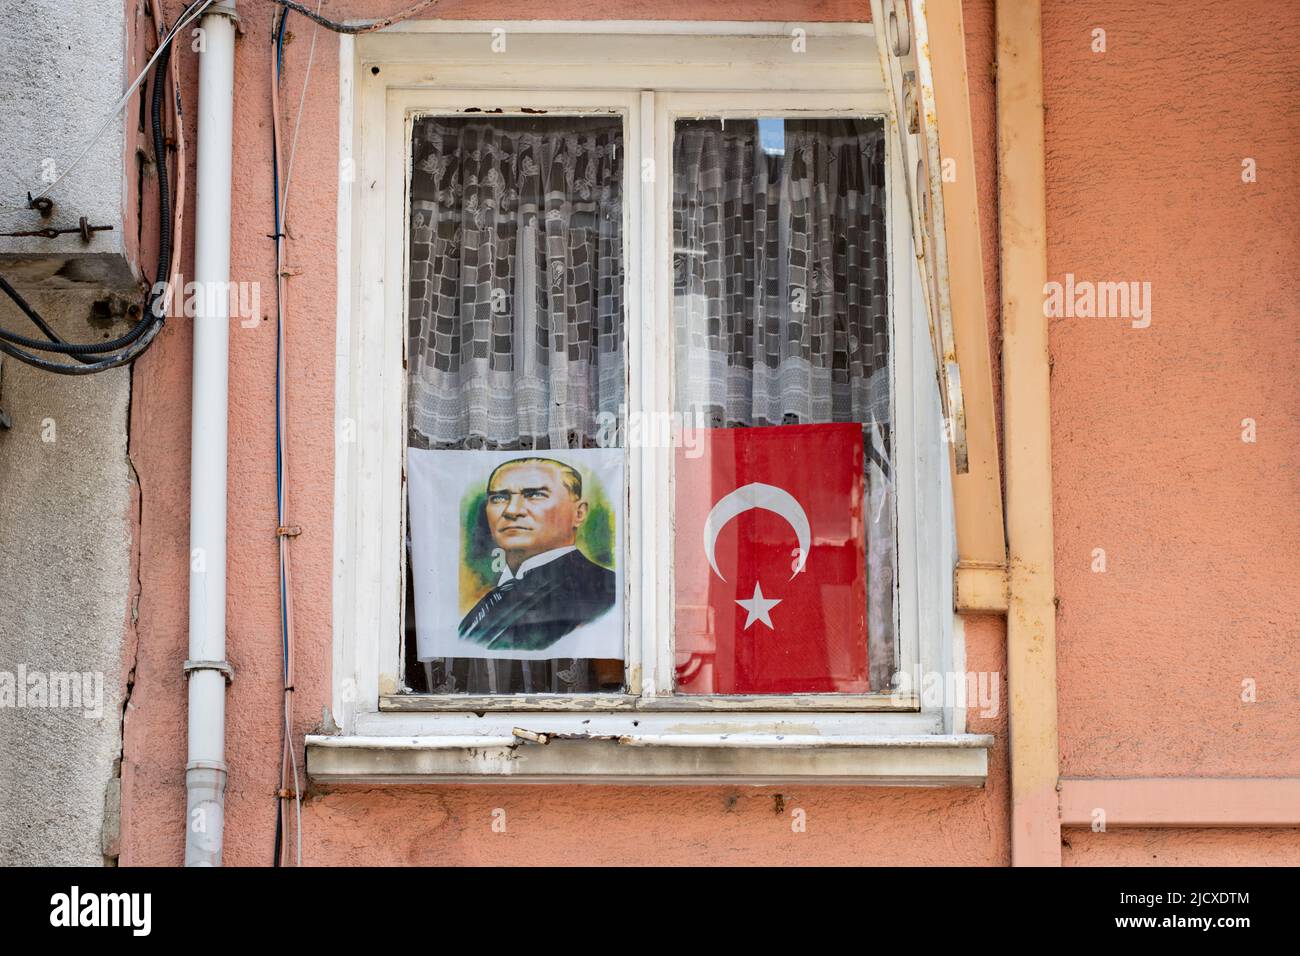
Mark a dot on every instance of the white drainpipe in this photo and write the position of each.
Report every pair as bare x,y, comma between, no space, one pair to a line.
207,668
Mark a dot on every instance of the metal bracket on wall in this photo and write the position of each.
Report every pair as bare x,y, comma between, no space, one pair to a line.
981,588
82,228
222,666
42,204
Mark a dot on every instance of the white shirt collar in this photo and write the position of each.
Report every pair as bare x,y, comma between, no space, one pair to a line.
536,561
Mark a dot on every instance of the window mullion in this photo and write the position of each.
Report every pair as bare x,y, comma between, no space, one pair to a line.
656,394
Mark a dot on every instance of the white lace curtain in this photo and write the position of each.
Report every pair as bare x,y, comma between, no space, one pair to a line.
781,302
516,281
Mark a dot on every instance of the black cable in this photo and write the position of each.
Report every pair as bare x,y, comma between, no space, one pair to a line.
353,29
137,339
57,344
28,310
124,357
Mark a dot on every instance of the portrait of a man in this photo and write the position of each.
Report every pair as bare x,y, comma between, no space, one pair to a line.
547,587
517,554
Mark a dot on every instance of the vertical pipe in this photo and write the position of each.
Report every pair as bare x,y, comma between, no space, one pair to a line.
1031,614
205,770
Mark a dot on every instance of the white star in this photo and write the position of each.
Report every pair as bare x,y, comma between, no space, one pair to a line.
758,607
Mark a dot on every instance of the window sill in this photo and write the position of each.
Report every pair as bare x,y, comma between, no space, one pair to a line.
920,760
798,703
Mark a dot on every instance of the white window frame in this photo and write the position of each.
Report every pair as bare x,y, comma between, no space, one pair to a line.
648,734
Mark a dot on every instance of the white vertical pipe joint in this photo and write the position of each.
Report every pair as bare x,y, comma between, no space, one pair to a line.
205,769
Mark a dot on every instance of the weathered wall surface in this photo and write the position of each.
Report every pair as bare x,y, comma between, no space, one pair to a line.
70,499
61,72
65,585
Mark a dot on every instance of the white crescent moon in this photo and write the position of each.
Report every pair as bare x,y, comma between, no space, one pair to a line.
756,495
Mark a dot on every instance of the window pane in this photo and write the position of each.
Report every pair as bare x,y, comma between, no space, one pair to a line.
516,381
784,516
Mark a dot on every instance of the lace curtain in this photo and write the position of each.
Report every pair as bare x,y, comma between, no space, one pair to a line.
781,302
516,281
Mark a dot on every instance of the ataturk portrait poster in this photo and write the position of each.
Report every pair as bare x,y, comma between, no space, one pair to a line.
517,554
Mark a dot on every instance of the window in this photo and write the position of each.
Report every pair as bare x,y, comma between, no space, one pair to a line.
644,425
516,390
780,322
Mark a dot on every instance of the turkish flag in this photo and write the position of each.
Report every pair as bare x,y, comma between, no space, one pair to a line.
770,561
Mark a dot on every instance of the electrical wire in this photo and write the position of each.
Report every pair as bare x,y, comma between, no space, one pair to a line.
147,329
302,100
90,357
288,753
136,340
280,198
94,357
178,135
353,29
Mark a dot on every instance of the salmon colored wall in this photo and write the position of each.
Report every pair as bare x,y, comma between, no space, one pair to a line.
1212,846
1161,405
1144,160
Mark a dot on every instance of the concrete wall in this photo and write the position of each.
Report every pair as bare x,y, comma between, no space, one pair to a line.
61,72
66,518
69,508
1144,148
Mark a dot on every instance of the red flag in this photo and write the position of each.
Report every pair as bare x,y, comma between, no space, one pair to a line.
770,561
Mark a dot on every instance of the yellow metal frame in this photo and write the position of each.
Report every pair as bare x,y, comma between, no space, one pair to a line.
1031,615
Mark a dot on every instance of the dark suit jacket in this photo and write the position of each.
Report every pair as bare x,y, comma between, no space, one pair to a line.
548,602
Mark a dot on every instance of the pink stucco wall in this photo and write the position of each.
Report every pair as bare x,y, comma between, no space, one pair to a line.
1145,145
1176,846
1148,464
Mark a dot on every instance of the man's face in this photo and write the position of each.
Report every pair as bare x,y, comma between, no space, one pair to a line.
531,511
